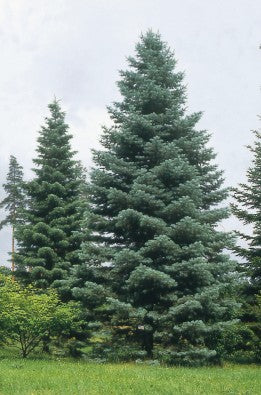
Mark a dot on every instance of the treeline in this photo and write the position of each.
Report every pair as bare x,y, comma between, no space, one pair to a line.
132,254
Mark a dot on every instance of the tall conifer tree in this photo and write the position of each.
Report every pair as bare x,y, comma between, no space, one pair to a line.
248,209
49,241
155,203
14,201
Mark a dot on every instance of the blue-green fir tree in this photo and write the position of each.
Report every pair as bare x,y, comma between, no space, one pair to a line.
50,238
155,203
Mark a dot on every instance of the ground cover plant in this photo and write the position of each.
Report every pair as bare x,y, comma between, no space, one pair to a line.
45,376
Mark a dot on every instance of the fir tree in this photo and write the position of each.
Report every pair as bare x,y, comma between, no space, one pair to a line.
49,241
153,213
14,201
248,209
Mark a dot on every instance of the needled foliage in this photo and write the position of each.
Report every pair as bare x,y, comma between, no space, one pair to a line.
15,197
14,201
50,238
155,203
247,208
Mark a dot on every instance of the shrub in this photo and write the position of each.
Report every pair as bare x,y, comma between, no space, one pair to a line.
28,316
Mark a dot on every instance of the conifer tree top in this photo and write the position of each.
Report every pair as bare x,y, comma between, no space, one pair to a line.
151,78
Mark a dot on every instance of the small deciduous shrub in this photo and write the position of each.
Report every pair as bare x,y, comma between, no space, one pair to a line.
29,316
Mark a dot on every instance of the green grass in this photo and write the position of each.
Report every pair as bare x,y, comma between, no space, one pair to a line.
30,376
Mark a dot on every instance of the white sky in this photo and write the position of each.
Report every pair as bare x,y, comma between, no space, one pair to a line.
74,48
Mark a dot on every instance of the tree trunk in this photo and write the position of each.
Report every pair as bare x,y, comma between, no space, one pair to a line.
148,343
13,251
46,342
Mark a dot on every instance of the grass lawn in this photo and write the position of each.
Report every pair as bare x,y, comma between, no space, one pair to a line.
43,376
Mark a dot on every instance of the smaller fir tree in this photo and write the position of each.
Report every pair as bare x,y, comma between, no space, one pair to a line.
248,209
49,240
14,201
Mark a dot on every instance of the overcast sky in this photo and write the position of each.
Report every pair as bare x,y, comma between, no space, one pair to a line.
73,49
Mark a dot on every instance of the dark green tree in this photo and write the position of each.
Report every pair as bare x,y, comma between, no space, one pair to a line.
49,240
248,209
14,201
155,197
